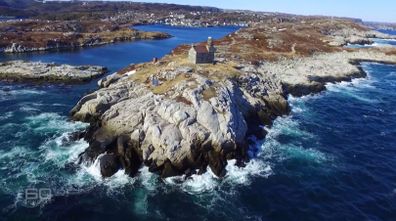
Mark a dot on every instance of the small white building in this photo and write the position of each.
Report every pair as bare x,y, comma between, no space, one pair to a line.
201,54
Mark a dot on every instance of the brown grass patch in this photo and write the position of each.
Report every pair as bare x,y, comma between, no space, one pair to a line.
168,85
183,100
209,93
126,69
393,52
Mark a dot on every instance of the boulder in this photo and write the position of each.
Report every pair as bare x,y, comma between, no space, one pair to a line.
109,165
217,163
169,170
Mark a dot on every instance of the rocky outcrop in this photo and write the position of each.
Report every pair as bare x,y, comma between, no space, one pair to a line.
48,72
172,136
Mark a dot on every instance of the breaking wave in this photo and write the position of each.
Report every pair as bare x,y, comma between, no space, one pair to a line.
353,88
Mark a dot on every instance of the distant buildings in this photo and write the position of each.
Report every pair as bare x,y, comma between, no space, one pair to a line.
201,54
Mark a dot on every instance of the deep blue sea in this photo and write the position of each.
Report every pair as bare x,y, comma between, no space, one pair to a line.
333,158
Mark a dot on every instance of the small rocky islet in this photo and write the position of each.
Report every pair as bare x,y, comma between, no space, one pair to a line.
177,117
39,72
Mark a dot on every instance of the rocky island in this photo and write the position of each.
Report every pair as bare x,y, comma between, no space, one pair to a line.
177,117
23,71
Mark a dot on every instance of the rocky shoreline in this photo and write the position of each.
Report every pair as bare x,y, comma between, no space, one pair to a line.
23,71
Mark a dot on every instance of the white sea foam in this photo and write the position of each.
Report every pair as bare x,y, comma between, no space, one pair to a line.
6,115
14,93
118,180
53,122
59,150
208,182
243,175
140,205
94,169
28,109
196,183
59,105
297,104
352,93
352,88
287,126
148,179
40,165
60,154
391,75
17,151
27,91
272,149
379,42
349,45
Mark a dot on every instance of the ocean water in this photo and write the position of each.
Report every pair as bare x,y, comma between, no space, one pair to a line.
333,158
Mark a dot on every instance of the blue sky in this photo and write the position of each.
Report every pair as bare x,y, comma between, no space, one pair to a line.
369,10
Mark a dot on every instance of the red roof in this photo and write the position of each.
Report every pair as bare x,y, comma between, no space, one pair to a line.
201,49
